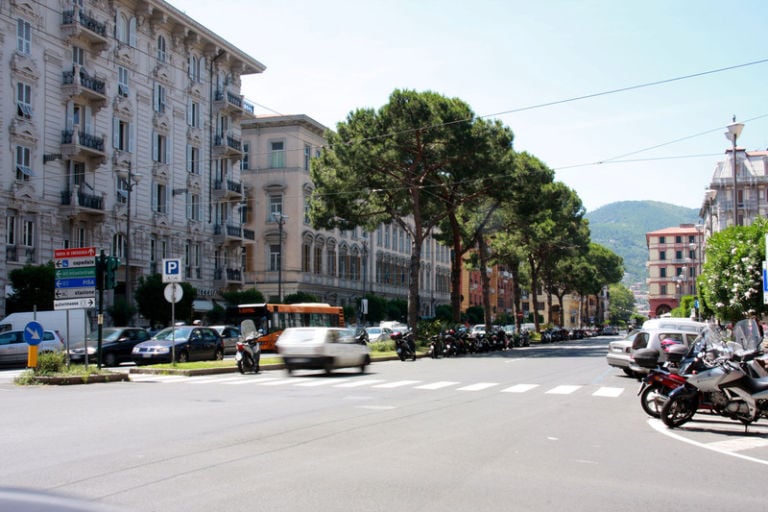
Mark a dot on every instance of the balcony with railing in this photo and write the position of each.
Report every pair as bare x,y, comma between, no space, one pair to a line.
224,234
78,84
76,202
79,143
227,102
82,26
227,276
227,189
227,146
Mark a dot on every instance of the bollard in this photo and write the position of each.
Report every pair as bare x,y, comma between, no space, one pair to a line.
32,356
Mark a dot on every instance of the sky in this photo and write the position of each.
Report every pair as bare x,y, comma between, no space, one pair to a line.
571,79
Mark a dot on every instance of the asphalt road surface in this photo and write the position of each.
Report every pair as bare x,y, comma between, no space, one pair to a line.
535,429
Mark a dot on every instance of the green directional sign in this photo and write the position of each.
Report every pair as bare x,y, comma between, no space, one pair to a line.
64,273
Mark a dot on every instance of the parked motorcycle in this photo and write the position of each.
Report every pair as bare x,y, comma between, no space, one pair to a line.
248,352
404,345
721,377
436,347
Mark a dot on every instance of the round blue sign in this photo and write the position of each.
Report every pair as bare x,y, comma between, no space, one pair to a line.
33,333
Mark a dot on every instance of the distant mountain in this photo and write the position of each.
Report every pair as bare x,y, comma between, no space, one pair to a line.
621,227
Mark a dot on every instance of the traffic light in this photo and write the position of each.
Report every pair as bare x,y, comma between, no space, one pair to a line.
100,264
110,272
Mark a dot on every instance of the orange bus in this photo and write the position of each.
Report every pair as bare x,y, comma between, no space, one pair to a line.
273,318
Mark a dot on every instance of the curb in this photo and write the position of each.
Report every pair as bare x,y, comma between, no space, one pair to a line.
81,379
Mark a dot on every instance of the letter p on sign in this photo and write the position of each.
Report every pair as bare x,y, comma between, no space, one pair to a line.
171,270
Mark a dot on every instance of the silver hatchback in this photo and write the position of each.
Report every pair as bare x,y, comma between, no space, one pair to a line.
14,350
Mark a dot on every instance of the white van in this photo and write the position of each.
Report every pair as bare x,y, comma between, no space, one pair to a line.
322,348
681,331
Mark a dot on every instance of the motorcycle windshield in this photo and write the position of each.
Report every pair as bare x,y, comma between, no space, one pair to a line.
710,341
747,337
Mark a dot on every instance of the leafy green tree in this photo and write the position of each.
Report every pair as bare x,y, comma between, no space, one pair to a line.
621,304
150,299
730,284
33,286
684,309
475,315
121,311
249,296
385,166
299,297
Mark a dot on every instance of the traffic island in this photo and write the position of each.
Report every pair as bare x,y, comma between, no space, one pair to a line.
65,380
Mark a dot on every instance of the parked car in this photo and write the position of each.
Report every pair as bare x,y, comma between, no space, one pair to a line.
116,345
230,335
322,348
14,350
192,343
651,336
377,334
609,330
477,331
619,353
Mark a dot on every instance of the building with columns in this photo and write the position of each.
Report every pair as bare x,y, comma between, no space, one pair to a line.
121,123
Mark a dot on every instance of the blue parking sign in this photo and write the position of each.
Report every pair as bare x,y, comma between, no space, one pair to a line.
172,270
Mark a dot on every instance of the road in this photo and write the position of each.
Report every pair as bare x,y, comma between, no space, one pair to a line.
533,429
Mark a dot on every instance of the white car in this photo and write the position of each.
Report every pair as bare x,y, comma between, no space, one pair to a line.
377,334
322,348
15,351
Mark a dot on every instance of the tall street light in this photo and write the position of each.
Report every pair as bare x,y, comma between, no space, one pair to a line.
733,133
280,219
133,180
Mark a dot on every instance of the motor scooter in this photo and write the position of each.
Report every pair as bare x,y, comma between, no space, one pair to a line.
248,352
404,345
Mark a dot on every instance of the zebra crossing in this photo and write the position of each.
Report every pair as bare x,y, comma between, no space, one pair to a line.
380,384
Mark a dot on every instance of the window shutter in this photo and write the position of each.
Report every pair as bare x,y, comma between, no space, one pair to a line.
115,133
155,152
132,32
131,148
168,149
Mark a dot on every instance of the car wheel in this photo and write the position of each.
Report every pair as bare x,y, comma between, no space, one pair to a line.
628,372
182,357
219,355
366,362
110,359
328,367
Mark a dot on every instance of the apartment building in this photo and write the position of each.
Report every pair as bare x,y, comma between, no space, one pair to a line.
290,256
674,263
122,129
751,186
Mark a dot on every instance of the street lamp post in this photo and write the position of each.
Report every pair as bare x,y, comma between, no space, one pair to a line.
363,302
733,133
133,180
280,219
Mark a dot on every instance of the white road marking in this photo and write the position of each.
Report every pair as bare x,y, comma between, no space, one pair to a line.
438,385
479,386
563,390
520,388
358,383
608,392
659,426
397,384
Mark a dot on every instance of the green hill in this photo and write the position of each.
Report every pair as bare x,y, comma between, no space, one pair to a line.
621,227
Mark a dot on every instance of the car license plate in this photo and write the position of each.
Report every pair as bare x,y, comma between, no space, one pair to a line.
238,356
